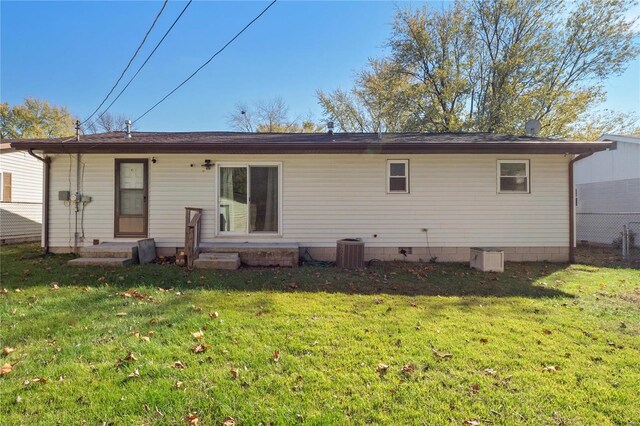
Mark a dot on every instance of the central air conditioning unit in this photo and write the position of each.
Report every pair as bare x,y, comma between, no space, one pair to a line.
487,259
350,253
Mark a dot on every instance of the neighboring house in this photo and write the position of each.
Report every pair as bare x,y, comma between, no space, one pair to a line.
20,196
407,196
608,191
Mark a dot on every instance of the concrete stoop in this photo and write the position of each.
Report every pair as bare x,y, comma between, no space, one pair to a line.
101,261
217,261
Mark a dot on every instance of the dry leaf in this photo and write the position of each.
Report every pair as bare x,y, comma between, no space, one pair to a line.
192,419
201,348
177,385
7,350
471,423
474,388
229,421
135,373
409,368
178,364
121,314
545,331
234,373
276,355
213,315
442,355
6,369
145,338
490,371
198,334
54,286
130,357
551,368
484,340
382,368
4,291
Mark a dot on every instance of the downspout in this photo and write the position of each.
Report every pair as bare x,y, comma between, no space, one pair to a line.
45,202
76,236
572,203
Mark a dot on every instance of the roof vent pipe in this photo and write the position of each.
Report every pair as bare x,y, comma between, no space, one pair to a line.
128,123
330,127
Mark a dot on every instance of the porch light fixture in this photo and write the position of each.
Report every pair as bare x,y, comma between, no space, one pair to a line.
208,164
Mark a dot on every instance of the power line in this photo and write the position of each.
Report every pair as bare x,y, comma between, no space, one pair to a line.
145,61
208,61
130,61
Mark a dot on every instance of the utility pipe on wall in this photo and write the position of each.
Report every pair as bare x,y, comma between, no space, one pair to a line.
45,202
572,202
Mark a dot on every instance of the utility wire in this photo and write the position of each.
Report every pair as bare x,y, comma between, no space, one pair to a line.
130,61
145,61
208,61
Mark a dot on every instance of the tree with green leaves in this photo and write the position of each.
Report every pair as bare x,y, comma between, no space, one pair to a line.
35,118
490,66
270,117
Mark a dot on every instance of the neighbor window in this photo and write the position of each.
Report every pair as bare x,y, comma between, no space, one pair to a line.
513,176
5,187
398,176
248,198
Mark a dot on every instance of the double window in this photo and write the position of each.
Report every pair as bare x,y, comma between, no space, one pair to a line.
398,176
513,176
249,198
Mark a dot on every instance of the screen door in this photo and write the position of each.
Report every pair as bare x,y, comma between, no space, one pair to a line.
131,198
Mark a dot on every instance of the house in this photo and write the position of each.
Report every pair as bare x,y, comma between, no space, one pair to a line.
608,191
20,196
407,196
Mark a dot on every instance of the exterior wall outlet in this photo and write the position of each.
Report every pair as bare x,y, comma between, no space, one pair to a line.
425,229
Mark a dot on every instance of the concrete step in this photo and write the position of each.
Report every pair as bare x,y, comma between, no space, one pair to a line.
114,250
101,261
217,261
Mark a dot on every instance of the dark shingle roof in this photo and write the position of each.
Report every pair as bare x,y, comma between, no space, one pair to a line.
235,142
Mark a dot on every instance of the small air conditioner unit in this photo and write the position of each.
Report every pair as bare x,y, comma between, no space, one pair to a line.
487,259
350,253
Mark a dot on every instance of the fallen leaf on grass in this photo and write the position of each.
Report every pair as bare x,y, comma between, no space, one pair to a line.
192,419
178,364
17,290
85,289
121,314
382,368
471,423
276,355
145,338
6,369
234,373
36,380
442,355
545,331
213,315
54,287
229,421
4,291
484,340
490,371
177,385
135,373
201,348
7,350
130,357
551,368
409,368
475,388
198,334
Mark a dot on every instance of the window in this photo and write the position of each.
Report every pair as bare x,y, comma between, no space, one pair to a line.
398,176
5,187
513,176
248,198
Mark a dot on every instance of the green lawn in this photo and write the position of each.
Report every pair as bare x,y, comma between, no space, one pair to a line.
539,344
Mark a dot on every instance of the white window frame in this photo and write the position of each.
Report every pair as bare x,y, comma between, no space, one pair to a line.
527,171
220,233
406,176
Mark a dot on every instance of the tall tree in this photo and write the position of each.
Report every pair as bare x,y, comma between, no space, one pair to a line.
491,65
35,118
270,116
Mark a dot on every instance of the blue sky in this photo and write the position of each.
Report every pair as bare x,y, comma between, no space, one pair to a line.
70,53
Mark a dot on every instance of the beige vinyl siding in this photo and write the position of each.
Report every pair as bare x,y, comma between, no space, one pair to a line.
327,197
21,217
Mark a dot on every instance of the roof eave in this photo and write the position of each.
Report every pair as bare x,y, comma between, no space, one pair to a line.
316,148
